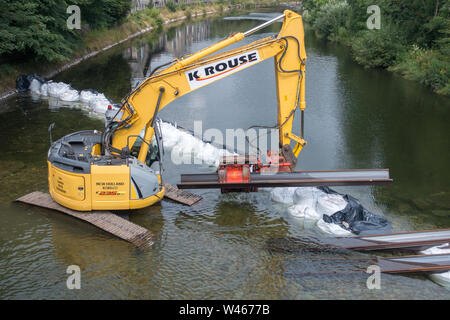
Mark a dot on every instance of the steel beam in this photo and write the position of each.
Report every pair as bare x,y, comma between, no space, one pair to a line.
291,179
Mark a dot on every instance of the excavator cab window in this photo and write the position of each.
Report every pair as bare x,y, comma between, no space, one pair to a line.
153,153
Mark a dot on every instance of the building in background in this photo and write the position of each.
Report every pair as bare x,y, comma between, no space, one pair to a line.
137,5
142,4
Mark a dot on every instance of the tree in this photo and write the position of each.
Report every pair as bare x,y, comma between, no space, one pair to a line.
35,28
100,14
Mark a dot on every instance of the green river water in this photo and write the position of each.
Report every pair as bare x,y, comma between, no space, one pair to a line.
355,118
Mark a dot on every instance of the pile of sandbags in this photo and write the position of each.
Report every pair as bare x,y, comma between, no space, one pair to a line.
188,149
335,213
63,92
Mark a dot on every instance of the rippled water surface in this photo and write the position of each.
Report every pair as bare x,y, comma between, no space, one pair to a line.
356,118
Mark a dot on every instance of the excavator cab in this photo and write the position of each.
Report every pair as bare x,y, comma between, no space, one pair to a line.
155,151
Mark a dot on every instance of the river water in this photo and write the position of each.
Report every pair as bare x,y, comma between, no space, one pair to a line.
355,118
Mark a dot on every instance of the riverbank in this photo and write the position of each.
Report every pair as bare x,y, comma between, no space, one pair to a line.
409,40
96,41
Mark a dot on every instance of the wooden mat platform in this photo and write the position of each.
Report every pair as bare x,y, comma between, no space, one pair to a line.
104,220
182,196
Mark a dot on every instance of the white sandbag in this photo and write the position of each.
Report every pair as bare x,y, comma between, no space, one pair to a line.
54,103
313,203
309,194
305,200
186,148
442,278
55,89
99,104
437,250
332,228
70,95
35,86
283,195
35,97
208,154
330,203
87,95
183,151
44,89
170,135
226,153
304,210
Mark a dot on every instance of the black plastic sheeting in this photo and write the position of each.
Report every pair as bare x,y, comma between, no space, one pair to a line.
23,82
355,218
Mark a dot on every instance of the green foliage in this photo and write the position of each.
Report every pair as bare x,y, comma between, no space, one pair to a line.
38,28
427,66
7,69
188,14
159,22
171,5
143,17
332,16
100,14
154,13
35,28
421,24
377,48
249,4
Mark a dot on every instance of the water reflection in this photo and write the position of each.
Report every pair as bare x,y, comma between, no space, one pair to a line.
175,42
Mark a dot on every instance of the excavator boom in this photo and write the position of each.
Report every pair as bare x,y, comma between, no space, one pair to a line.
194,71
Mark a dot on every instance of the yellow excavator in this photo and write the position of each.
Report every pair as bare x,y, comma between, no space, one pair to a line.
120,169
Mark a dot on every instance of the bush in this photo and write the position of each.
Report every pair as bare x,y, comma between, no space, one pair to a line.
249,4
377,48
171,6
101,14
188,14
331,17
154,13
427,66
35,29
159,22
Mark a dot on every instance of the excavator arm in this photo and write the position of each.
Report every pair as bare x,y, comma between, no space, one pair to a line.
184,75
